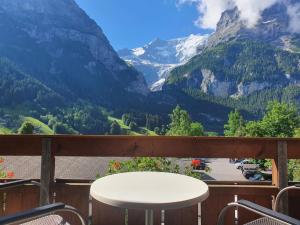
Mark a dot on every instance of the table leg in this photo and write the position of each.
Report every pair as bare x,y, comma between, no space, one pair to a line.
149,217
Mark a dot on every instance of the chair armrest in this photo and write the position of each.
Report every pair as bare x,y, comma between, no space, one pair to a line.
267,212
14,183
281,193
33,213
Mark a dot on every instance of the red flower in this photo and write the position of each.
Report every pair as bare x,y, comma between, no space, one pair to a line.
116,165
196,163
1,160
10,174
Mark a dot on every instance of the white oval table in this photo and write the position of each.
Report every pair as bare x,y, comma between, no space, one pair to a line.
149,191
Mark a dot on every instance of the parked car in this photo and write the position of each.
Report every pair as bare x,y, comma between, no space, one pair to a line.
246,165
248,174
202,159
261,177
238,164
257,177
267,175
235,160
254,175
198,164
249,165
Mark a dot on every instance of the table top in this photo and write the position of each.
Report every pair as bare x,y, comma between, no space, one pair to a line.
149,190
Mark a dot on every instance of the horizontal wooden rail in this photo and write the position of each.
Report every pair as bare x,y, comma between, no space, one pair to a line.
163,146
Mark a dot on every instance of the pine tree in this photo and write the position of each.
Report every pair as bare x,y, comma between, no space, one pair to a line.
235,125
115,128
133,126
26,128
180,123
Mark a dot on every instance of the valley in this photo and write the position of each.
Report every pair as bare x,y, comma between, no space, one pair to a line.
64,72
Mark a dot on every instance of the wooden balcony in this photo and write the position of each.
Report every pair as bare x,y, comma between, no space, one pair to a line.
76,192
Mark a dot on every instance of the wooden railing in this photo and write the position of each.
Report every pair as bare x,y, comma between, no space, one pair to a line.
76,193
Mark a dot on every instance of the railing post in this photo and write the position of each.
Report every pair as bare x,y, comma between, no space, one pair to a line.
280,173
47,172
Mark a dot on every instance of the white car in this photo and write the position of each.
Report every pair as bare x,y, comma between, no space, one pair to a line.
246,165
238,164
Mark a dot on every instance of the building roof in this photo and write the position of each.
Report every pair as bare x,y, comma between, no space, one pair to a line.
85,168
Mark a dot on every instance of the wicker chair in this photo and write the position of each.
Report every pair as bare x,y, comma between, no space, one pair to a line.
44,215
269,217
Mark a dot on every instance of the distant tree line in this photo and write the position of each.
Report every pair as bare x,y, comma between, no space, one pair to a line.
135,120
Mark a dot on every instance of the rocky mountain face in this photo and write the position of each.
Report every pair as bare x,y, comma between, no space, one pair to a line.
273,28
17,87
62,48
237,69
238,60
156,59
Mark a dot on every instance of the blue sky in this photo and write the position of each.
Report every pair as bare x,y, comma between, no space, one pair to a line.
133,23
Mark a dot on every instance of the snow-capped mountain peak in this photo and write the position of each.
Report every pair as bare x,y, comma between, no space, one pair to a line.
158,57
138,51
187,47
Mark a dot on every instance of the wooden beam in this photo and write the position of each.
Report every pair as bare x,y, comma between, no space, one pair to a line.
47,172
280,173
26,145
165,147
130,146
293,148
275,171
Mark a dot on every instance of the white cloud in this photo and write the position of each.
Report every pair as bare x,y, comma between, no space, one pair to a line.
294,14
211,10
251,9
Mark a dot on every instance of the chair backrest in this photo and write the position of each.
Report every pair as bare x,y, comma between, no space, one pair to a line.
281,193
44,215
41,215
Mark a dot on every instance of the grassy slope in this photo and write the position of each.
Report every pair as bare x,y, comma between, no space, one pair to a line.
149,132
4,130
43,128
125,128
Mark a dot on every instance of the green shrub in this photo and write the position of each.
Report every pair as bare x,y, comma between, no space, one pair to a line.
157,164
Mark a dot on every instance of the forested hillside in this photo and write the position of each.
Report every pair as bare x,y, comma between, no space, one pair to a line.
16,87
256,102
239,67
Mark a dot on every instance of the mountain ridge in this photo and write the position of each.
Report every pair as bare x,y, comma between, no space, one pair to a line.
158,57
59,45
273,27
238,60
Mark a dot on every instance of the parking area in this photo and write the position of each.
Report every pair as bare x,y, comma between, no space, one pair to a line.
90,167
220,170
